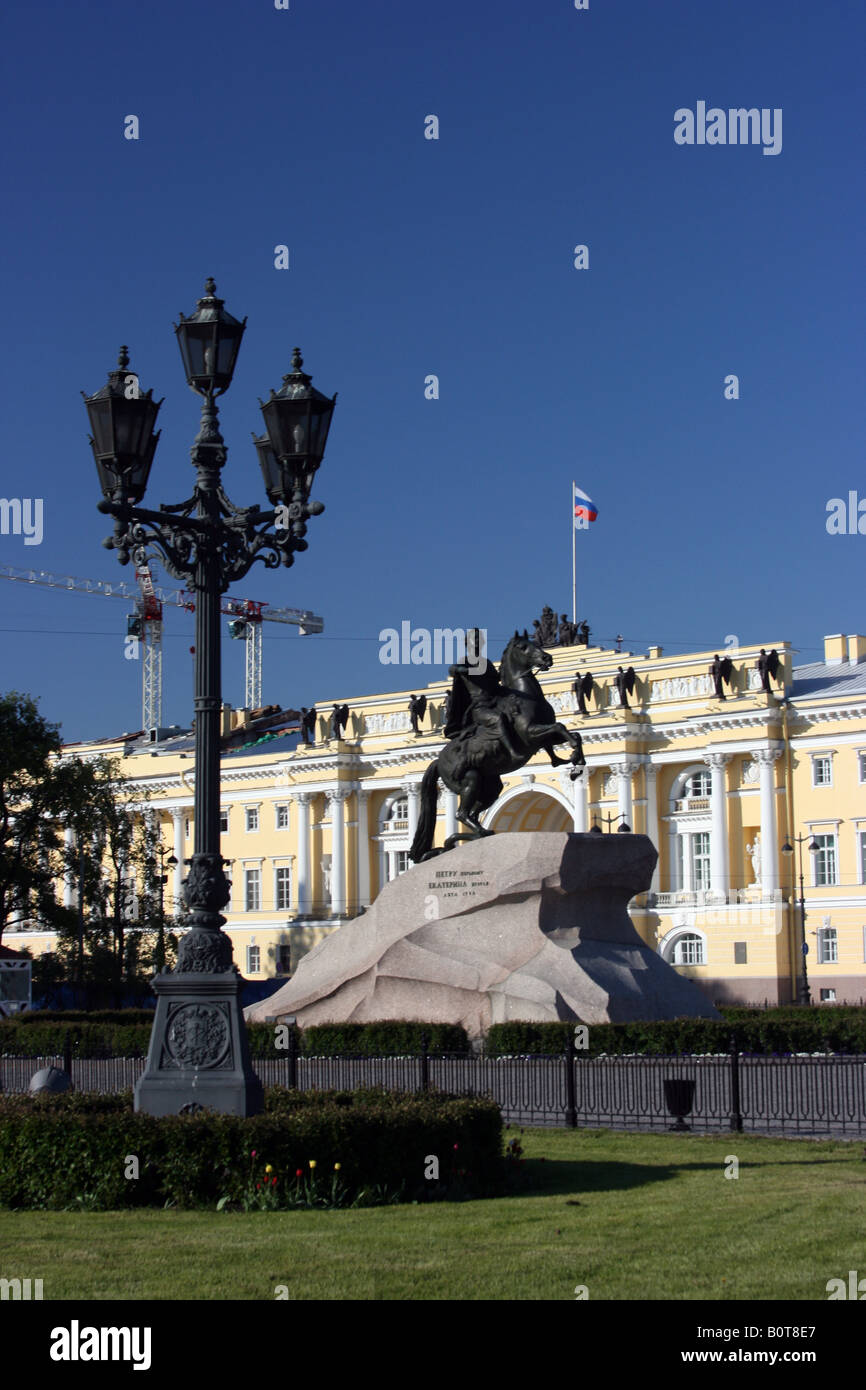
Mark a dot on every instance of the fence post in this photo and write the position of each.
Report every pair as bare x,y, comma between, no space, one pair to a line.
570,1098
293,1058
425,1063
736,1113
67,1053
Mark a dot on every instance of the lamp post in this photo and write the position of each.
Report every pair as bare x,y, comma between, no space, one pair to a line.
199,1054
622,829
166,860
805,996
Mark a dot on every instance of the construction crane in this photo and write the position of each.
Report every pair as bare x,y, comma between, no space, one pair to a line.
146,625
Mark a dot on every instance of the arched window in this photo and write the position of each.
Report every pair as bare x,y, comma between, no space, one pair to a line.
686,948
698,785
393,838
690,829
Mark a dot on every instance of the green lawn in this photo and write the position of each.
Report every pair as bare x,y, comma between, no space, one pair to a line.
630,1216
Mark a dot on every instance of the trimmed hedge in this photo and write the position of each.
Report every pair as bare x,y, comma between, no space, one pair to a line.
38,1039
803,1031
69,1151
391,1039
100,1016
786,1029
105,1037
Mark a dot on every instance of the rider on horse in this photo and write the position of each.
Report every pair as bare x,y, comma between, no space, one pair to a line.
477,699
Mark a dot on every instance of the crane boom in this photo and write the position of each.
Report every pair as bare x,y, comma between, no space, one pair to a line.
149,599
179,598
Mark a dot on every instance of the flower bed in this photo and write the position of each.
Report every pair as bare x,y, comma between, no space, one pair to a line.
326,1148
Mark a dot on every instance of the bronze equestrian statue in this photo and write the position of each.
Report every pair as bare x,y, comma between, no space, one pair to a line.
497,720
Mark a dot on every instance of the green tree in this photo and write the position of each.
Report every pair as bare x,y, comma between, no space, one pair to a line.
38,794
117,862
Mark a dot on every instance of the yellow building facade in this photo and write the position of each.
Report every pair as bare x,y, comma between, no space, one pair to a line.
736,794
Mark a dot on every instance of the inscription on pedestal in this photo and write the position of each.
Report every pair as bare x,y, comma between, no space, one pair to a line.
458,883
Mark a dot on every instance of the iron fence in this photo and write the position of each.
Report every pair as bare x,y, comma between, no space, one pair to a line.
821,1095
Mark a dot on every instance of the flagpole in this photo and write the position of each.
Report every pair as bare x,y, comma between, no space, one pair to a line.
573,562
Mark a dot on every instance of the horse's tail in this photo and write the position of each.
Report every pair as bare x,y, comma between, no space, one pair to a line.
423,841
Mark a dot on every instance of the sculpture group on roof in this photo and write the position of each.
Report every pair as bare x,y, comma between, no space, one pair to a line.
550,632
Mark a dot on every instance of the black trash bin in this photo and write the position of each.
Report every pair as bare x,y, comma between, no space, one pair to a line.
679,1098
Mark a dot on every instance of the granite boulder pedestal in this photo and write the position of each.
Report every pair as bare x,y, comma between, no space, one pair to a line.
511,926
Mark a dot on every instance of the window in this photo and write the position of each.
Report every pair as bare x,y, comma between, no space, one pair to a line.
825,861
253,889
398,818
224,822
701,861
254,959
688,950
699,784
283,889
861,765
252,817
861,841
740,953
401,861
282,817
822,772
828,996
284,960
828,946
186,826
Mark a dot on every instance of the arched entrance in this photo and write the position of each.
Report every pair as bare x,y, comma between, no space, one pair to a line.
528,808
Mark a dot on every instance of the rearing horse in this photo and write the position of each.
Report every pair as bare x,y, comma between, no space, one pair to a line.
472,762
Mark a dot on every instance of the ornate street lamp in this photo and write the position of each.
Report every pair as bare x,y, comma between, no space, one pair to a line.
805,996
199,1054
123,441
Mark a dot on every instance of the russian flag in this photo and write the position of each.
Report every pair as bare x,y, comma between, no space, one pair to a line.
585,509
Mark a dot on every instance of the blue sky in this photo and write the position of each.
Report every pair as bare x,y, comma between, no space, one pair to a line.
453,256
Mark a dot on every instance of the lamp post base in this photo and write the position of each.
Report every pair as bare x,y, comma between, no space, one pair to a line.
199,1055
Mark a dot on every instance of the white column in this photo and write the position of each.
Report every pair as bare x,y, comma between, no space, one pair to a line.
676,884
652,818
719,872
413,792
302,888
336,802
363,848
383,866
69,880
579,807
450,813
176,887
688,879
623,772
576,791
765,758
